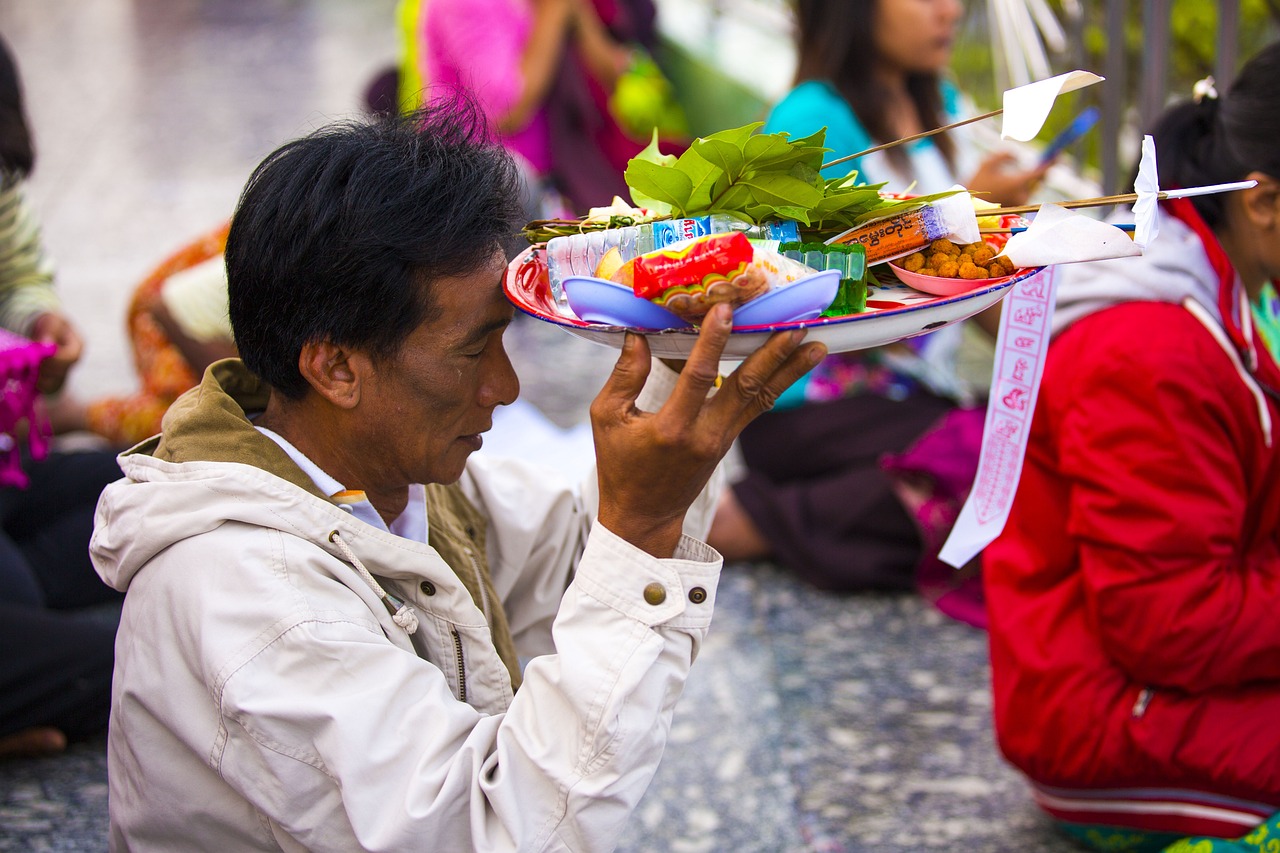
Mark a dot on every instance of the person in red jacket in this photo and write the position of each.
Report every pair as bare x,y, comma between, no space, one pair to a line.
1134,597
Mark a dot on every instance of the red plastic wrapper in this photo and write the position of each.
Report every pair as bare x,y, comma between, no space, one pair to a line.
699,266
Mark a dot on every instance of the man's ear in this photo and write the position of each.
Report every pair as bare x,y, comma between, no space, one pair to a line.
334,372
1262,203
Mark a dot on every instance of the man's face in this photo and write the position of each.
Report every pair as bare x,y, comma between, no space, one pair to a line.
423,409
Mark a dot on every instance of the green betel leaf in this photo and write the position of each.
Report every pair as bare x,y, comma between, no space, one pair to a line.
722,154
647,194
766,149
658,188
811,176
705,178
782,190
736,136
652,154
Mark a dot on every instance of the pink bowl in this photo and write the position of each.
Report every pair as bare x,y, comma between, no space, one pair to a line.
942,286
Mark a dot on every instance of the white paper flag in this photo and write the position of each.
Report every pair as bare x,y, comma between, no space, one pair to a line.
1060,236
1026,107
1015,383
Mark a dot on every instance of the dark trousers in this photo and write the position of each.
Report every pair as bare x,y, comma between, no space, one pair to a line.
55,668
817,493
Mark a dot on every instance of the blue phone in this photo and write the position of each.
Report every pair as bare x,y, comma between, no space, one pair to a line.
1079,126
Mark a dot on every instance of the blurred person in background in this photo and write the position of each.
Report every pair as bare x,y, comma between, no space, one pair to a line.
871,71
178,325
55,670
546,73
1135,646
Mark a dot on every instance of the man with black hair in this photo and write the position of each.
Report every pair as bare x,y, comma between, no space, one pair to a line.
328,596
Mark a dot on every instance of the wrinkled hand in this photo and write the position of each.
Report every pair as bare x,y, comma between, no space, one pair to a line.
57,330
1004,184
651,466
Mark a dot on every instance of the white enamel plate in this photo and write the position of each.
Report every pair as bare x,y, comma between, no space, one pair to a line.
894,312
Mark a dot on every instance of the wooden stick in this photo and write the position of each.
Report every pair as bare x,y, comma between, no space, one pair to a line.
913,138
1100,201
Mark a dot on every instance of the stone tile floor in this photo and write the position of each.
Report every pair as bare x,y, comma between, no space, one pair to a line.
812,723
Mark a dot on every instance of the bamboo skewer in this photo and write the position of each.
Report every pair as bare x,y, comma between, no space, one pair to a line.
1122,198
913,138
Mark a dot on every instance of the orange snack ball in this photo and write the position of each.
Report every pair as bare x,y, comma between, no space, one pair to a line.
972,271
944,246
964,258
1003,263
936,259
913,262
982,254
948,269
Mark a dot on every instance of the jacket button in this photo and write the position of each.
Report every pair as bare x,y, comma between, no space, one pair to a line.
655,593
697,595
427,587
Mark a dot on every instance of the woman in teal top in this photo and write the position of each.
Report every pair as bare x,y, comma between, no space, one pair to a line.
815,497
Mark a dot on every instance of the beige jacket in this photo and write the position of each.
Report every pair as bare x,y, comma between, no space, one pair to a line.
265,698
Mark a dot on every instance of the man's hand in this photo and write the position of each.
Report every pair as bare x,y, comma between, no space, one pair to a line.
57,330
651,466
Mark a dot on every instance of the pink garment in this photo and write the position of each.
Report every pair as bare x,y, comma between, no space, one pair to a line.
476,45
19,366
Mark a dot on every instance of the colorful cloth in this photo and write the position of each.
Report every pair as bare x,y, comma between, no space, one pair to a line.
26,272
1266,319
162,368
1265,838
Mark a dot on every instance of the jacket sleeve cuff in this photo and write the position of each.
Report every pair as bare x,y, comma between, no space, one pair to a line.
678,592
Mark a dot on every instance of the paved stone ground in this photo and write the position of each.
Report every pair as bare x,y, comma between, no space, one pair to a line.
812,723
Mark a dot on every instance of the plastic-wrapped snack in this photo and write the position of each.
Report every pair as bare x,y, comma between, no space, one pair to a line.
894,236
688,280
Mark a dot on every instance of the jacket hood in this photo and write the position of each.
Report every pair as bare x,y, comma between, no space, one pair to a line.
1173,268
178,484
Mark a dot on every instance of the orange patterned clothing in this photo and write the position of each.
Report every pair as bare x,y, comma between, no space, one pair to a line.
164,371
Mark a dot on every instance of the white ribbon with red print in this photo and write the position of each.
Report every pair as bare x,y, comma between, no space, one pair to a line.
1015,383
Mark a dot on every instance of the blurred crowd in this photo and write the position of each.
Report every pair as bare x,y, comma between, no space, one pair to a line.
1130,601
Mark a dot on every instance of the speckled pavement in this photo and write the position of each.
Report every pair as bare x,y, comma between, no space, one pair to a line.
812,722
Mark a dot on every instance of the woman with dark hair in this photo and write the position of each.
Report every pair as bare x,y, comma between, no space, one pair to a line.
55,673
870,71
1132,598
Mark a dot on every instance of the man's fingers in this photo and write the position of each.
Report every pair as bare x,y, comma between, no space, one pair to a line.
758,382
703,366
627,378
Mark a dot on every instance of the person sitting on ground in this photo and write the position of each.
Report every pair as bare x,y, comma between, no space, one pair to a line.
1135,650
178,326
329,596
55,673
822,506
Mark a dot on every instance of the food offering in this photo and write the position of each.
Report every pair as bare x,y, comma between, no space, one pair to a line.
745,218
946,268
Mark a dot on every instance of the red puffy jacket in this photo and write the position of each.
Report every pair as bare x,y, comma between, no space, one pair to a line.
1134,597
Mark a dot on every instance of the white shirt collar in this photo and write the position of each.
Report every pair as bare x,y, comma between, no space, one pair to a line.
411,524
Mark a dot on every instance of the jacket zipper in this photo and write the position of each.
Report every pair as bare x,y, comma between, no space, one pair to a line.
462,669
1143,700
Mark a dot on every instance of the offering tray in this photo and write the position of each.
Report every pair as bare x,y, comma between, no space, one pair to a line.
894,312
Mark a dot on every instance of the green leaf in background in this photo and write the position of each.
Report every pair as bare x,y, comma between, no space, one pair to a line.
725,155
659,188
653,155
736,136
782,190
757,176
703,176
766,149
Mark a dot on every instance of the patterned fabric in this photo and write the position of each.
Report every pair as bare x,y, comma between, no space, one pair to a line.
26,272
1265,838
164,372
1266,319
1149,820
